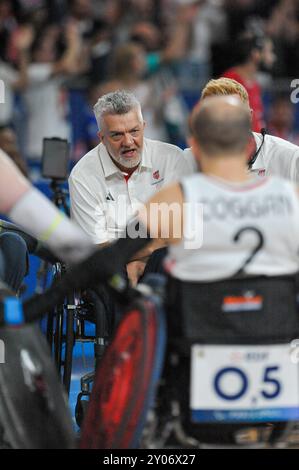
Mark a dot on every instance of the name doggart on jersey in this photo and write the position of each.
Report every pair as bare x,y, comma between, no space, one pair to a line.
238,208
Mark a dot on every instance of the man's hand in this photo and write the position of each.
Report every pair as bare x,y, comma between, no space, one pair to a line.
135,270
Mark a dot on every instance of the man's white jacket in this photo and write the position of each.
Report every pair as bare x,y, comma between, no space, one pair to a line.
276,157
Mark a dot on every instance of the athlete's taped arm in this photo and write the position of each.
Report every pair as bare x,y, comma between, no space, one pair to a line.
13,184
37,215
102,266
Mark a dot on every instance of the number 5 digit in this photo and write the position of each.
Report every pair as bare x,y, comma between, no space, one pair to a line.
270,380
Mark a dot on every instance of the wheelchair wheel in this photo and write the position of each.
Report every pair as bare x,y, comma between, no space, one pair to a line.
33,410
58,336
69,342
55,323
60,333
126,380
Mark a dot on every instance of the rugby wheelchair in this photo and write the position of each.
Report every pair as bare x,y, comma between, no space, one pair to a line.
224,374
230,375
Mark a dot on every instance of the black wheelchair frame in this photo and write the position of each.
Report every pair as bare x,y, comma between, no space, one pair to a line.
66,326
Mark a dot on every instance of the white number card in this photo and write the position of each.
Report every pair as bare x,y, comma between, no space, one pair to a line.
243,384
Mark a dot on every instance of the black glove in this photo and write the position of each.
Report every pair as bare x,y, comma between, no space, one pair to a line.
103,265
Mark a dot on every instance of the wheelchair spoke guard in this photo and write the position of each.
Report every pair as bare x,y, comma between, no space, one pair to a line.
126,380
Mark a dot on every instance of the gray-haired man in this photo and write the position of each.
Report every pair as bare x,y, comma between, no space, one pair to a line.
124,170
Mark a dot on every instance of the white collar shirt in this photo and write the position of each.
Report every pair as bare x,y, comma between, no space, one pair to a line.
277,157
102,201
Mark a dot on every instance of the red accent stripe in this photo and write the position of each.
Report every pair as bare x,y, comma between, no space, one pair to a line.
243,300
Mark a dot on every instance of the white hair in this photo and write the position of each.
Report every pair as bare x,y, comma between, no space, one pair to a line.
117,102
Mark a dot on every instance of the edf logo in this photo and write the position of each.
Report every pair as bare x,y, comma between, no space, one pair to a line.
2,92
2,352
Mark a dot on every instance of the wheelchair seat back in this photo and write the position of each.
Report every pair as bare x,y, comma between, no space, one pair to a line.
256,310
229,345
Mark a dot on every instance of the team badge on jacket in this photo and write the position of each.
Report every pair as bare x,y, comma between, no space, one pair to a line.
157,179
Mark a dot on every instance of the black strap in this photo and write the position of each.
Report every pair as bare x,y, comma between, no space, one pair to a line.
256,153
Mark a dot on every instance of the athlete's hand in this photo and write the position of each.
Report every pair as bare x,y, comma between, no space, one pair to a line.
135,270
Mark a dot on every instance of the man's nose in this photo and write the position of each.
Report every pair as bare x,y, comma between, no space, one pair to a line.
128,139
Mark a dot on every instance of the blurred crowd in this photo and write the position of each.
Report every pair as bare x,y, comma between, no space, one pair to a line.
58,57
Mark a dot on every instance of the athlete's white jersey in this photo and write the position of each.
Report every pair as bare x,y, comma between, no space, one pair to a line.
257,219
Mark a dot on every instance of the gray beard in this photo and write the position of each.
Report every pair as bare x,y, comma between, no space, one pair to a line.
127,163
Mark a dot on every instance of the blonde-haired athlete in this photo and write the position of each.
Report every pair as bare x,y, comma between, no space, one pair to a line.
269,155
223,87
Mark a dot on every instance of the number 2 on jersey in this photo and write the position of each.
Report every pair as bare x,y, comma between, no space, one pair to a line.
259,245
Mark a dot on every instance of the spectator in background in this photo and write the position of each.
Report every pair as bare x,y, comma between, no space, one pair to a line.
122,15
159,48
8,24
45,98
142,66
252,52
9,144
15,79
81,12
283,27
157,94
282,118
113,12
163,51
101,43
241,12
207,27
174,35
31,15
